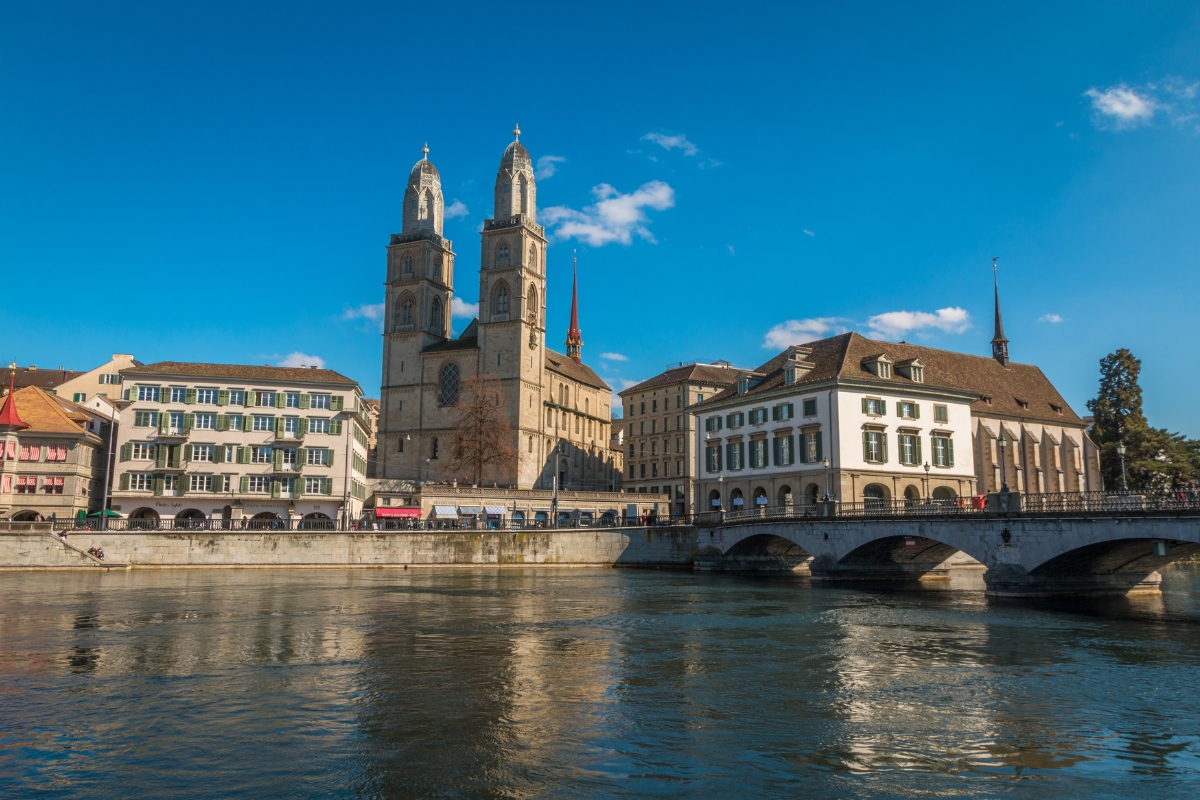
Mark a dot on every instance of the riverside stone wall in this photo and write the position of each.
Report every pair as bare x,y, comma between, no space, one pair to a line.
587,547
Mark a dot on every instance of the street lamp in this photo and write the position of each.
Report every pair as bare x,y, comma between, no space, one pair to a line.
927,480
828,494
1003,473
721,492
1121,455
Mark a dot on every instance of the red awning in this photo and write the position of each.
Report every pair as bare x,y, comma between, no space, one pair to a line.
387,512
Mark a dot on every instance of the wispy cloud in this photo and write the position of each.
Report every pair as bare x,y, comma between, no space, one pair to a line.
732,251
672,142
614,357
807,232
620,385
299,359
894,324
802,331
546,167
1122,106
1052,318
462,309
456,209
614,217
372,311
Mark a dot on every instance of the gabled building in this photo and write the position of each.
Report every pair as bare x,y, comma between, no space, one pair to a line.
102,381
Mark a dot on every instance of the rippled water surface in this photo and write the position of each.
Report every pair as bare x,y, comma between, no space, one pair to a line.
544,682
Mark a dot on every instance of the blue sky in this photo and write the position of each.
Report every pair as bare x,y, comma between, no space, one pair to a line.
219,183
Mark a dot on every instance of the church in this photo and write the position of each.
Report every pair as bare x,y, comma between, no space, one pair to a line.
559,408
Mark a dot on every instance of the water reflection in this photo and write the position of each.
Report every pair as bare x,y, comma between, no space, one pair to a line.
591,683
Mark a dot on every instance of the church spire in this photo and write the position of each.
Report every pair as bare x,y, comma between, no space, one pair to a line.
574,335
8,415
999,343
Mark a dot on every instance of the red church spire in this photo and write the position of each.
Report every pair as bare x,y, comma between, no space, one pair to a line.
574,335
8,414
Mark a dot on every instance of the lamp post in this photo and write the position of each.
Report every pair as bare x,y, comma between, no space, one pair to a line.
828,494
927,481
1121,455
721,492
1003,474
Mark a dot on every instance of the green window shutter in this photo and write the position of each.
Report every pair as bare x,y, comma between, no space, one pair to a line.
791,411
222,422
801,456
189,422
303,426
792,447
242,456
778,447
950,452
219,454
301,456
279,427
158,485
335,427
335,403
188,453
130,394
218,484
867,446
189,396
305,400
277,458
275,487
181,485
329,457
124,481
176,455
916,410
248,399
164,421
222,397
298,487
820,450
127,451
160,455
917,438
864,405
883,446
883,408
244,484
328,485
775,414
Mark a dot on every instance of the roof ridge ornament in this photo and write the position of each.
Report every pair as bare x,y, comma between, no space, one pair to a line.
517,132
425,152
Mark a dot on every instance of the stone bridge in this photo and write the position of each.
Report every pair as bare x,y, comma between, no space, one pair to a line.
1025,555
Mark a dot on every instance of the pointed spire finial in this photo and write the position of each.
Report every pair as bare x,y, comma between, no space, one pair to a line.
517,132
425,151
574,335
8,414
999,342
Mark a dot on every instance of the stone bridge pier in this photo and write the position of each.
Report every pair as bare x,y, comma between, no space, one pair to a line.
1023,556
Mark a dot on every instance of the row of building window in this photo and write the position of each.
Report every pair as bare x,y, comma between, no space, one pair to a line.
184,422
666,469
665,405
275,485
875,448
666,443
281,457
28,484
235,397
905,409
783,452
680,422
13,451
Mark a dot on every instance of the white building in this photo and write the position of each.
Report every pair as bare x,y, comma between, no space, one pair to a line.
221,442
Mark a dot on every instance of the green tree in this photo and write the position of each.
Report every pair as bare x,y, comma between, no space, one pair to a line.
1154,458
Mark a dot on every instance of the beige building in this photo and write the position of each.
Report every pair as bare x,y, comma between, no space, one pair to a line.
659,430
51,457
222,442
558,407
103,381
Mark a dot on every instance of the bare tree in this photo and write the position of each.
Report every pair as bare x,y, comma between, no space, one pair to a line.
484,442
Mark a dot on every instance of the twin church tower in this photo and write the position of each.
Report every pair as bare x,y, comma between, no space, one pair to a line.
558,407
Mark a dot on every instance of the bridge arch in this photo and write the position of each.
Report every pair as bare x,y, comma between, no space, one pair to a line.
906,556
1133,556
765,552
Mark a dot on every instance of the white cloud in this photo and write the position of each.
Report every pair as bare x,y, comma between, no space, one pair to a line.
1053,318
672,142
365,311
1124,106
732,252
620,385
299,359
614,357
457,209
546,167
808,232
462,309
894,324
614,217
802,331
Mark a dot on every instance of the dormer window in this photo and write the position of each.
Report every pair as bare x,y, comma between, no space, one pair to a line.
743,385
1056,409
987,400
912,368
1024,405
747,381
879,365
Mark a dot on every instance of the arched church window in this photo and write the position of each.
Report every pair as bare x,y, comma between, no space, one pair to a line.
533,256
435,316
448,388
532,311
502,255
408,265
500,306
403,314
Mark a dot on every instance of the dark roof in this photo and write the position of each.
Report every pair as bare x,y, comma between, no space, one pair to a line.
240,372
461,343
581,373
692,373
842,357
42,378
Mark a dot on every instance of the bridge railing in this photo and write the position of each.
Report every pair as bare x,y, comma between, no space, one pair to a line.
908,508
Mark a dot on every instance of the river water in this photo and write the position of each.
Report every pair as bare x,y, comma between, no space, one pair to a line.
587,683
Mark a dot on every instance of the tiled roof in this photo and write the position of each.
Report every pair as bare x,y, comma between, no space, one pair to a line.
461,343
239,372
842,357
581,373
692,373
45,378
42,412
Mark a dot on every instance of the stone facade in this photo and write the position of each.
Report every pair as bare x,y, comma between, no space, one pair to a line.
558,407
